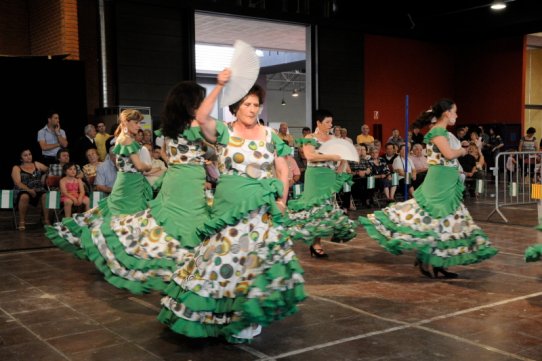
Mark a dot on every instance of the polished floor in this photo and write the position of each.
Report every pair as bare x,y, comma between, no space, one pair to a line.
363,304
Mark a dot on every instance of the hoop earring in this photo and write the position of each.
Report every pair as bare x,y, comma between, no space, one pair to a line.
125,131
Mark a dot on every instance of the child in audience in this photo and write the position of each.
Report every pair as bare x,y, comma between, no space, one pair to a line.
72,190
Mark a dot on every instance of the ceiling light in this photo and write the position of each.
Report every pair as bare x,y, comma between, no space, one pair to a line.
498,5
283,102
295,94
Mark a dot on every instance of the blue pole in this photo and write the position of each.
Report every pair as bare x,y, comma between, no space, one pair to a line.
405,188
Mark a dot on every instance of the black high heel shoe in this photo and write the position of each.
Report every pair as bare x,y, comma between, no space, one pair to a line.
445,273
318,253
423,271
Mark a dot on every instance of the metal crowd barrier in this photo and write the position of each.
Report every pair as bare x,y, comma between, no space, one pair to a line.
515,173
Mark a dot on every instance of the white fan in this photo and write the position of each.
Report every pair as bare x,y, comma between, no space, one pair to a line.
343,148
245,67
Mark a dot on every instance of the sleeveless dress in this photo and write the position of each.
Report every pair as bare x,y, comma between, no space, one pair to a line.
435,222
33,181
130,194
140,250
316,213
73,189
245,272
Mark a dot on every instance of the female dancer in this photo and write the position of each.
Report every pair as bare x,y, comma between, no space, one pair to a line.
139,251
316,213
434,223
130,181
245,273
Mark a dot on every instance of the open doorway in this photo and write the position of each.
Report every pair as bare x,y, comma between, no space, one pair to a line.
284,63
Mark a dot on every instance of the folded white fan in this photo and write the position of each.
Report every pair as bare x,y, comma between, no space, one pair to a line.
245,67
343,148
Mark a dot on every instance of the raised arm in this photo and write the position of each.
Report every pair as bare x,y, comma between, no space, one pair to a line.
203,117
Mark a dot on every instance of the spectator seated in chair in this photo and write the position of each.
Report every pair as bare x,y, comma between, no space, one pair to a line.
72,190
28,185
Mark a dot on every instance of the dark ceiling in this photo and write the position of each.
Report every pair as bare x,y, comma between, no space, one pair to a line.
445,20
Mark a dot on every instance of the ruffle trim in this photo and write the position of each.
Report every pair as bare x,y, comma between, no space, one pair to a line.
271,188
260,310
328,221
135,287
129,261
127,150
304,141
194,133
59,241
282,148
396,246
533,253
301,204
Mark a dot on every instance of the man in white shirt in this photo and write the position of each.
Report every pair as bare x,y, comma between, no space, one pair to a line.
399,167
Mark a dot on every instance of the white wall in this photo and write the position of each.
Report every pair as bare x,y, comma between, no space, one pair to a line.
293,113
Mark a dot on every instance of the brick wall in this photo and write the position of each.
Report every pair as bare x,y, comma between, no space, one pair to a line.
14,39
53,28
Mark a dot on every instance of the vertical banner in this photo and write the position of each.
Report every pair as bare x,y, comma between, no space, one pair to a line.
6,199
95,198
480,186
53,200
371,182
394,179
514,189
297,190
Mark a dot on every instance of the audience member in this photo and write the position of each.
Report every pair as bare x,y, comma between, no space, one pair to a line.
395,138
29,187
344,135
305,131
106,173
72,190
417,136
100,139
62,157
158,167
365,137
284,135
87,141
399,164
51,138
420,163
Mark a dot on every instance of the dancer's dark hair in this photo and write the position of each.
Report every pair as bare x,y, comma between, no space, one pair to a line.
180,107
436,111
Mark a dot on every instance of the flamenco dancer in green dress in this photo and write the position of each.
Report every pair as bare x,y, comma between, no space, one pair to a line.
130,193
139,251
316,214
435,223
245,274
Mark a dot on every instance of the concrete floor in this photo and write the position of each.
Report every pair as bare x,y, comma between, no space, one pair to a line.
364,304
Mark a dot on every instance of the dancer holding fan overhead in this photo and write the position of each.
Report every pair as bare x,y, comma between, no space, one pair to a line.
245,274
434,223
316,214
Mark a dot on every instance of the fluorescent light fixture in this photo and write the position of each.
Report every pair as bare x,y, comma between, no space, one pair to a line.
295,94
210,58
498,5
